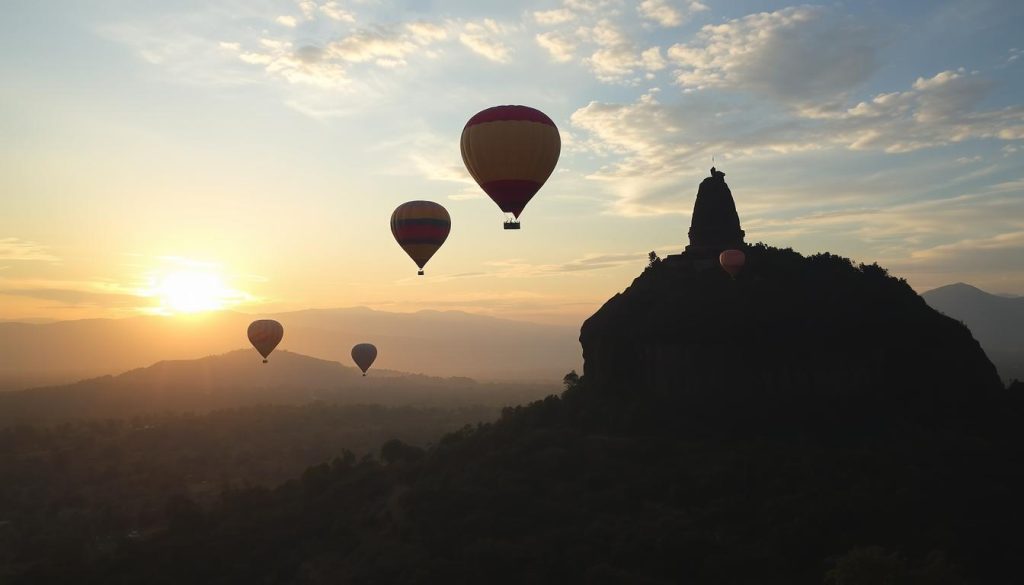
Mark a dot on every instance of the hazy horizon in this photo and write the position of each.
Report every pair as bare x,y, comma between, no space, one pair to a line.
430,342
198,315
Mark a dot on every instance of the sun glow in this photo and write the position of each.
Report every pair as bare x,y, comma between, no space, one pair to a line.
191,291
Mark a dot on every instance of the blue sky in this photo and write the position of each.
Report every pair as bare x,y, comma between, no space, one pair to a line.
270,140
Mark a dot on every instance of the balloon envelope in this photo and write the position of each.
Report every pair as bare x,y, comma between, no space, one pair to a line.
363,355
420,227
264,335
510,151
732,261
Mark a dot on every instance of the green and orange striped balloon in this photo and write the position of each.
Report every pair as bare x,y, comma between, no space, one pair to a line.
420,227
511,151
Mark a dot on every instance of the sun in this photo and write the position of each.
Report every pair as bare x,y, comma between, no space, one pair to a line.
191,291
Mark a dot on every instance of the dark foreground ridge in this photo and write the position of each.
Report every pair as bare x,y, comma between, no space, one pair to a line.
809,422
618,484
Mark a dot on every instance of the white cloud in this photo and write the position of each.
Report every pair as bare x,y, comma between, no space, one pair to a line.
651,146
591,6
289,21
936,111
308,8
559,45
334,11
426,33
329,66
378,46
662,12
652,59
616,57
552,17
481,38
306,65
800,54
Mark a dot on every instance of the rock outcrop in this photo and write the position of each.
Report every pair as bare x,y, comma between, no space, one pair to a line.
787,323
715,225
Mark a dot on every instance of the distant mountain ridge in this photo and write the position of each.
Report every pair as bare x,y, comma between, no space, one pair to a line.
238,378
448,343
997,322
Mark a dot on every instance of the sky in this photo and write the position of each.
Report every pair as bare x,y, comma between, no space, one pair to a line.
172,156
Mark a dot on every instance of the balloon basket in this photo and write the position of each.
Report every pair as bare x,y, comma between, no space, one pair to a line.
264,361
511,225
364,375
420,273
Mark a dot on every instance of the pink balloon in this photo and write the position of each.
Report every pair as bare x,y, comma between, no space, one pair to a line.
732,261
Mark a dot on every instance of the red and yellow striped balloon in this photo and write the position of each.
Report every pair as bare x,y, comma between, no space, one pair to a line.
420,227
510,151
264,335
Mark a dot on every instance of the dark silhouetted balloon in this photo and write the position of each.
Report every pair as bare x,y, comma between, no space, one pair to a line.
420,227
732,261
363,355
264,335
511,151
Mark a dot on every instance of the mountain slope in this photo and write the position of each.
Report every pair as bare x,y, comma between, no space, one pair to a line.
430,342
996,322
239,378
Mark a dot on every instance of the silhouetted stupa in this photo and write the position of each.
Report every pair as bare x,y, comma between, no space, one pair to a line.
715,225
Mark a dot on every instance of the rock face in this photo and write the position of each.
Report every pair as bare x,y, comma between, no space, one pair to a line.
715,225
786,323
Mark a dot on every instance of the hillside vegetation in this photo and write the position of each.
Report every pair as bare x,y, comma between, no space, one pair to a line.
883,482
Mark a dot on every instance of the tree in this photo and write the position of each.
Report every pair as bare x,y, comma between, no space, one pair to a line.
572,379
652,259
395,450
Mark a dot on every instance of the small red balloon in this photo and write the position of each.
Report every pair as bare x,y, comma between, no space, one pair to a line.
732,261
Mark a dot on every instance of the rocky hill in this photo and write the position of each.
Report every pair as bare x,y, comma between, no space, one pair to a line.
787,323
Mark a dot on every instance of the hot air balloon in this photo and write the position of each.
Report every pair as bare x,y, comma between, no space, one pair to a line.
264,335
510,151
363,355
732,261
420,227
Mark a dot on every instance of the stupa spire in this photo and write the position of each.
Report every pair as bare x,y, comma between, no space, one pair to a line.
715,225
